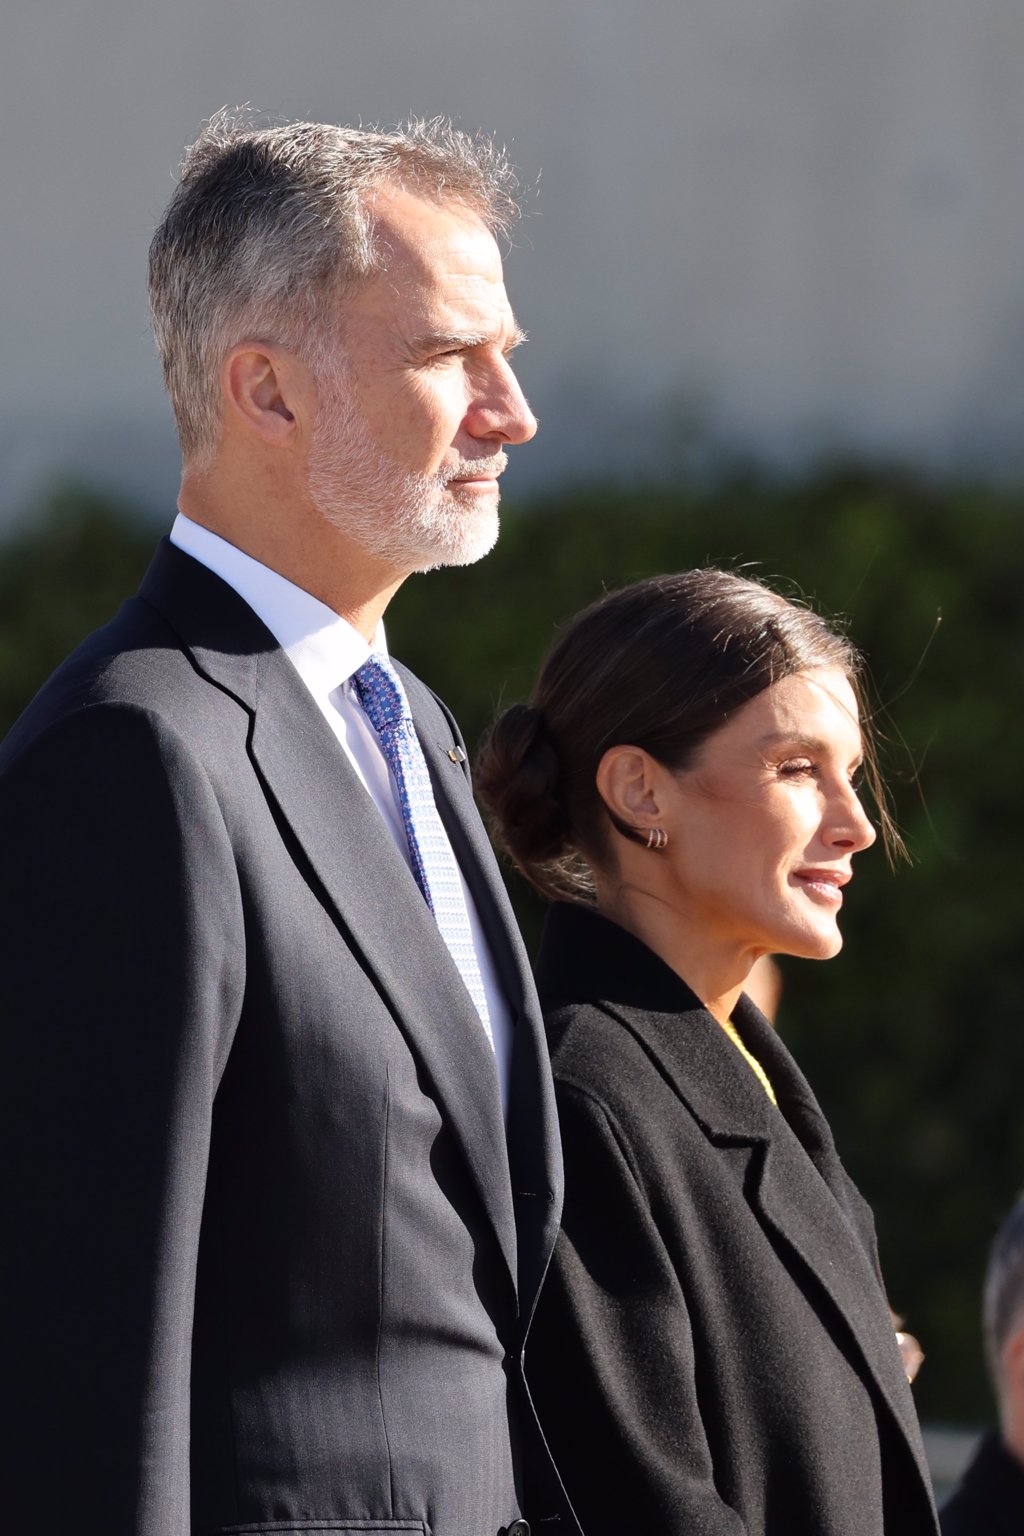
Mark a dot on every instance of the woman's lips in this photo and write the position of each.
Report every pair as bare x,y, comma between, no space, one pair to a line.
824,884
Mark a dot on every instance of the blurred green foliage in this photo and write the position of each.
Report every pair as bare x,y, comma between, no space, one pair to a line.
63,572
914,1036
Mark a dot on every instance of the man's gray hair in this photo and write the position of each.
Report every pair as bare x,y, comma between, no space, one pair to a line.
269,224
1003,1304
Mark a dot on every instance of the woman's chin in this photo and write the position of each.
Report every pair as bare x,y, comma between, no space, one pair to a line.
824,945
829,945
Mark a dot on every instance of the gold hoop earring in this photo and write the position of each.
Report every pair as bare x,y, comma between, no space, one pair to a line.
657,839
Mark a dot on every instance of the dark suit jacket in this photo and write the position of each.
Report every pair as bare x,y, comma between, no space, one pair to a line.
712,1354
990,1498
269,1256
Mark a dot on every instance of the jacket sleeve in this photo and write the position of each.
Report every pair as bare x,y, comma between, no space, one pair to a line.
611,1360
120,983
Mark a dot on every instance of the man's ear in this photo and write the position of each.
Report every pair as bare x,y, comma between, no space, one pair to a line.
627,781
265,390
1012,1362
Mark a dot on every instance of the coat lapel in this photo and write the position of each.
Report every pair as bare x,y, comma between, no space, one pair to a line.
360,873
804,1118
801,1190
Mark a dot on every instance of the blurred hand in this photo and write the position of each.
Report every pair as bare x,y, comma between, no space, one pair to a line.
912,1353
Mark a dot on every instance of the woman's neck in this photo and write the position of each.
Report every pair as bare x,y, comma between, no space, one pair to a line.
714,972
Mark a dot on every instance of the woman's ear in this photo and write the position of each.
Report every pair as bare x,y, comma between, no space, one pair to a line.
627,781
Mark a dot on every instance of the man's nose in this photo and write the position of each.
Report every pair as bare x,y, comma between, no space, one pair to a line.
499,410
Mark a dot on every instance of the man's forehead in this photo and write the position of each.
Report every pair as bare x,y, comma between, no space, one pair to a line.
430,239
440,272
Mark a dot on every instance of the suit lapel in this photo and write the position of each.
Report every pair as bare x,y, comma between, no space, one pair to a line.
360,873
533,1143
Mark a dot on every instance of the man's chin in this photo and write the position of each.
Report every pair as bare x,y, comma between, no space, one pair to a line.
459,531
463,543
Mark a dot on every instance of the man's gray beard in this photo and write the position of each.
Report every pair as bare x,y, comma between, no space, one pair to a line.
412,521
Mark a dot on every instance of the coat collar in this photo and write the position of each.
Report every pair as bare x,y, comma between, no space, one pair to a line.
800,1190
586,958
336,827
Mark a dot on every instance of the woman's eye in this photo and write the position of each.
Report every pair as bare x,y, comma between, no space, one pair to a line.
796,767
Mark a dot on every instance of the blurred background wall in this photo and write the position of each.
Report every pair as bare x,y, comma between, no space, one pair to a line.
774,229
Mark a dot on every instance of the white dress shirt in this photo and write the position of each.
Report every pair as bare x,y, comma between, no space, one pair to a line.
325,651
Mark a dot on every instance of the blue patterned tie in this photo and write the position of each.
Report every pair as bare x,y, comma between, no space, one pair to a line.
380,692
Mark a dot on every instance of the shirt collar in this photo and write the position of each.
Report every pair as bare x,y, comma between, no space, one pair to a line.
323,647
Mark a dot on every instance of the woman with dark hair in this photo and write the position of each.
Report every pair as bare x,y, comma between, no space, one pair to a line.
713,1354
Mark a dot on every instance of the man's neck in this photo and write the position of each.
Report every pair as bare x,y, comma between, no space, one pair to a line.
301,546
1013,1436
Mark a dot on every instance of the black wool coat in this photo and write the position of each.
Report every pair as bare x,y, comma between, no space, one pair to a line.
712,1353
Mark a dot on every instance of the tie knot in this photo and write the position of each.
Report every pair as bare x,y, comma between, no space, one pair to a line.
380,692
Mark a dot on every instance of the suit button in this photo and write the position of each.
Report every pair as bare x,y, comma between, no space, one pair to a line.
518,1528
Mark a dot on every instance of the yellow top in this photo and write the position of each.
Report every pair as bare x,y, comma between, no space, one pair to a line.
752,1061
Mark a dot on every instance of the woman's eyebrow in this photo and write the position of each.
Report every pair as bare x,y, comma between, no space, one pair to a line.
793,739
800,743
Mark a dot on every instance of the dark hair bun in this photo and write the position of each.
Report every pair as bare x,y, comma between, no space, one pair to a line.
518,778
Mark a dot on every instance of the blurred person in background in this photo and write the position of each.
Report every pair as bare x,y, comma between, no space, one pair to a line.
277,1119
713,1351
990,1498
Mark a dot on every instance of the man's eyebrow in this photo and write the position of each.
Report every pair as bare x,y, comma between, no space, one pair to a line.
455,341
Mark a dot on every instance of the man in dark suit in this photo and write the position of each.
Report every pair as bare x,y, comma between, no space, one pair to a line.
990,1498
282,1168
